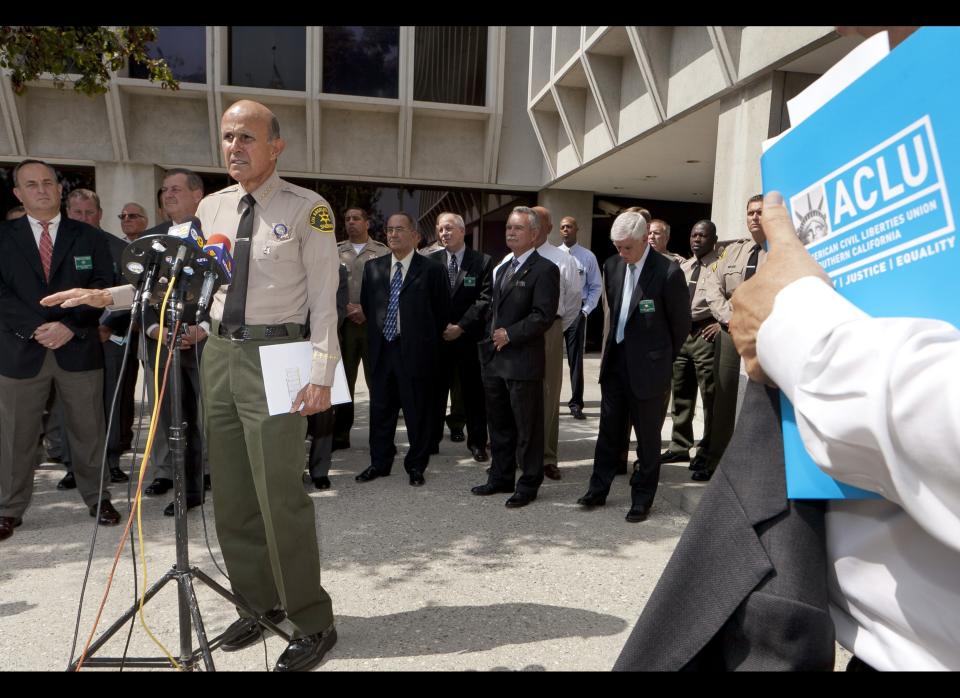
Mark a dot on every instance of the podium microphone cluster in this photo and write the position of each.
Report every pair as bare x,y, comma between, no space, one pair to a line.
220,266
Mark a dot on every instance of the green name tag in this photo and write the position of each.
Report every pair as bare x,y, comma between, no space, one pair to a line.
469,281
646,306
83,262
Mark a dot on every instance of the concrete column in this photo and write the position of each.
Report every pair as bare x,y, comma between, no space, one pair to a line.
119,183
747,118
566,202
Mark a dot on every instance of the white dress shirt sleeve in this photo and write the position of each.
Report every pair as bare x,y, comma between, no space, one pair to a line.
572,290
877,400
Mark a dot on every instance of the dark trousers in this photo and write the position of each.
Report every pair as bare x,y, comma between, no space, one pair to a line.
393,389
693,371
575,337
320,427
353,350
459,365
646,416
120,431
190,406
515,416
726,376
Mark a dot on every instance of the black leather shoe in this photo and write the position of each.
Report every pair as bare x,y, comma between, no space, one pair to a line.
484,490
191,503
592,499
577,412
369,474
244,632
7,524
416,478
108,515
637,513
520,499
479,454
322,482
697,463
206,483
457,435
69,482
339,443
304,653
117,475
160,485
673,457
701,475
551,471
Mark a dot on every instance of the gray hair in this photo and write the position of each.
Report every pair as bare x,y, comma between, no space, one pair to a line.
666,226
629,225
85,195
532,218
274,127
143,211
457,219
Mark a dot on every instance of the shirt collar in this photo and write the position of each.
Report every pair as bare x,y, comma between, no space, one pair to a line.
35,222
458,255
264,193
405,262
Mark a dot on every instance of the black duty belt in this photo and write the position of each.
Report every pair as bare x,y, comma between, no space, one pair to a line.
247,332
698,325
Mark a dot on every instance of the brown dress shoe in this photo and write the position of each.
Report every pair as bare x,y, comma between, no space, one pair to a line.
551,471
7,524
108,515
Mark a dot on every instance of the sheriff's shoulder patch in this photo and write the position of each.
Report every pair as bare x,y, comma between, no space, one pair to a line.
320,219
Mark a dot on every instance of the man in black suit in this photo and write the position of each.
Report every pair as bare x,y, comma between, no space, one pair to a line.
470,275
649,321
406,300
526,293
41,253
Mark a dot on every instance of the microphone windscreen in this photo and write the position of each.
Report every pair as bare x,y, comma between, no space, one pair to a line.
219,239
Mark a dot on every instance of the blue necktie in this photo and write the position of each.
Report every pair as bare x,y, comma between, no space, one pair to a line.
393,305
452,272
628,285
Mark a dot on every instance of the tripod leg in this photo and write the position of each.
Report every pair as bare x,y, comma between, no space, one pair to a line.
186,586
239,603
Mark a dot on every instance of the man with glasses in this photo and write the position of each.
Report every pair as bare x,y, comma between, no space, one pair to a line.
358,249
133,221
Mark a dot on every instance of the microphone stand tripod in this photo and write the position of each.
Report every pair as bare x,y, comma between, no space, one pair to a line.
187,607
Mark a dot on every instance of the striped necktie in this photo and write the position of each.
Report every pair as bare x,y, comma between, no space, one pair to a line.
393,304
46,250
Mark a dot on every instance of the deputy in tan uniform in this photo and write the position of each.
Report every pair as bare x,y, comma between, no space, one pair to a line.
693,367
737,263
658,235
354,252
285,264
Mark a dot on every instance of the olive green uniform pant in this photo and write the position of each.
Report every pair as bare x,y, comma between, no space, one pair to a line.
693,372
726,377
265,520
353,351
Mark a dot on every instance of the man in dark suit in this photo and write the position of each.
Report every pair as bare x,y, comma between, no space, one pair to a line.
470,275
406,300
41,253
526,293
649,321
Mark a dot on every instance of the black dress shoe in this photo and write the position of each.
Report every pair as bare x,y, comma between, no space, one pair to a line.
339,443
484,490
701,475
244,632
697,463
117,475
69,482
457,435
108,515
551,471
637,513
592,499
520,499
206,483
673,457
577,412
7,524
304,653
416,478
191,503
160,485
479,454
369,474
322,482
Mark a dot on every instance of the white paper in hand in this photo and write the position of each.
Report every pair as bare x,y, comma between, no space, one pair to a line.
286,369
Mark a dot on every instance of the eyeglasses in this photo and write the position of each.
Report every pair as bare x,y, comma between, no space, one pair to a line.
125,216
398,229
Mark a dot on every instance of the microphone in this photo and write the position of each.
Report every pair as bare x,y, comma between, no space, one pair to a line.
219,265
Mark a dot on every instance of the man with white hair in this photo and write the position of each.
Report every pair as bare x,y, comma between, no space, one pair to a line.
649,321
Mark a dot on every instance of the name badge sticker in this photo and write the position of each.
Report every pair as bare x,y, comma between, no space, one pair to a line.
646,306
83,263
470,281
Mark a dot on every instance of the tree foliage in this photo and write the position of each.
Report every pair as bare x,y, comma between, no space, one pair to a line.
90,52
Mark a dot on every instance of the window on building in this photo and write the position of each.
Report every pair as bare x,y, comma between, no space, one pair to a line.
270,57
184,49
450,65
361,61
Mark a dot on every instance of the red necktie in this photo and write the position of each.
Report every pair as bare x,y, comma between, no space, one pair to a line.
46,250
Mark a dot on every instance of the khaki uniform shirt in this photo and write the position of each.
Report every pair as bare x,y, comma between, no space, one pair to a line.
699,307
675,257
293,262
727,276
354,263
